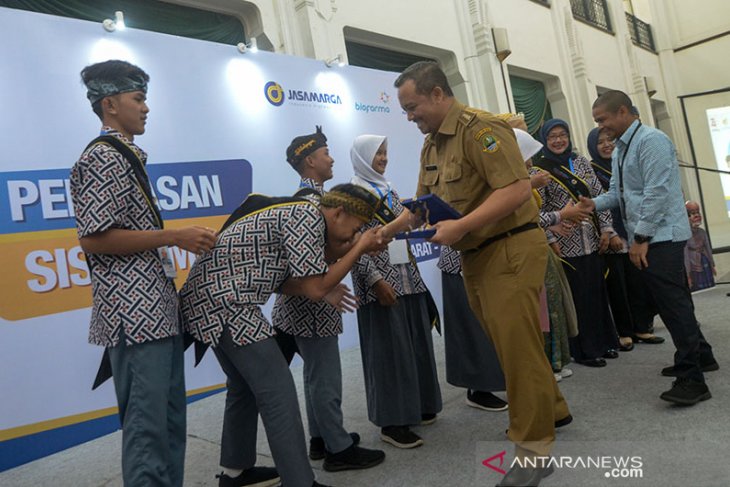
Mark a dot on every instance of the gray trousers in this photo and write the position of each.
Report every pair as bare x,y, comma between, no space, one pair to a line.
149,380
259,381
323,390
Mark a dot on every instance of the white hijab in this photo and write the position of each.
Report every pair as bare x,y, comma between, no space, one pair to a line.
362,154
528,146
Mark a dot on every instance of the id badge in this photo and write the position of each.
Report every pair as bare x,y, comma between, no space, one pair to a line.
398,251
167,264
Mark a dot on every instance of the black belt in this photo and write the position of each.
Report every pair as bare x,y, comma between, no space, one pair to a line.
508,233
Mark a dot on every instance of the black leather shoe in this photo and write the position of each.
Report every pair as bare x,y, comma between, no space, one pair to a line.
652,340
558,424
686,392
524,476
564,422
704,367
593,362
611,354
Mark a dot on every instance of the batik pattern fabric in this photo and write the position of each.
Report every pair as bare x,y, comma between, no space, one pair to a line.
584,238
297,315
131,293
449,260
250,260
405,279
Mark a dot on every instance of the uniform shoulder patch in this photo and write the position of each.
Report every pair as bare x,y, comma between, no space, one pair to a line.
490,144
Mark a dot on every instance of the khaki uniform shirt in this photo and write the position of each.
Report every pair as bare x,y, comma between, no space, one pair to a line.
472,154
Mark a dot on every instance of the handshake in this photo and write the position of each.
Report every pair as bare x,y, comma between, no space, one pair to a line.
578,213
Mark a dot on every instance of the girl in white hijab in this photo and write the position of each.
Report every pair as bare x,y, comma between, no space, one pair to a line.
369,171
394,323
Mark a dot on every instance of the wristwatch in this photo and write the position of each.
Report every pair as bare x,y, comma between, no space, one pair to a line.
640,239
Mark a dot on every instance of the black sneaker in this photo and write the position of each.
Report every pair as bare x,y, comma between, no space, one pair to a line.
317,449
706,367
256,476
428,418
686,392
400,436
353,458
485,400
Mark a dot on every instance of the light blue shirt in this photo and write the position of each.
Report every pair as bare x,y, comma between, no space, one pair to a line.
652,203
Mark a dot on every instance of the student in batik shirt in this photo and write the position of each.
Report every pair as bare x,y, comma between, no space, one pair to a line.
401,381
572,176
270,245
314,327
135,305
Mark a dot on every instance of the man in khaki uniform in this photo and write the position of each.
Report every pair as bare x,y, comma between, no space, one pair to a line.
471,160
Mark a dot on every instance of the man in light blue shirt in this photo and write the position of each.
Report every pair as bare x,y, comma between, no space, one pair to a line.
645,185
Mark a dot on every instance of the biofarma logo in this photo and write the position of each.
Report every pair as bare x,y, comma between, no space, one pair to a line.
276,95
381,107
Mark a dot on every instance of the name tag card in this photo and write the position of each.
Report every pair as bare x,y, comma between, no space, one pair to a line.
398,252
167,264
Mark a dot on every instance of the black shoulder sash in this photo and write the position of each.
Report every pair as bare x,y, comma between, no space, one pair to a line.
137,169
574,185
603,175
255,203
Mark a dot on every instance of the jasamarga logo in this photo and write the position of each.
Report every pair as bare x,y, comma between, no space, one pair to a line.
364,107
314,96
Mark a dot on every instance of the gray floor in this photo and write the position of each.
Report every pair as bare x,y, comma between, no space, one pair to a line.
617,412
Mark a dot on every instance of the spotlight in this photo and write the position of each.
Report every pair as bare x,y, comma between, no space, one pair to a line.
116,24
251,46
335,60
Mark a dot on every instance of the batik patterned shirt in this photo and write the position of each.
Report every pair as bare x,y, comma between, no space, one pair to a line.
404,278
297,315
449,260
250,260
130,292
584,238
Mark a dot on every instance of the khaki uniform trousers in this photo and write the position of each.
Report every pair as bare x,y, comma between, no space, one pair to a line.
503,282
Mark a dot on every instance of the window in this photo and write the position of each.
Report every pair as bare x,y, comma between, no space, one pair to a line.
593,12
150,15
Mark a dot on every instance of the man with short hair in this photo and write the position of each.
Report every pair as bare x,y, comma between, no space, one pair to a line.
269,245
645,185
135,304
471,159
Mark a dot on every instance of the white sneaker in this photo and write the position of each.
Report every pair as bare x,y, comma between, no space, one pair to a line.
565,373
558,377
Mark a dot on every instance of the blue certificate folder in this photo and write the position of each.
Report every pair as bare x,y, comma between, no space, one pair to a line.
435,210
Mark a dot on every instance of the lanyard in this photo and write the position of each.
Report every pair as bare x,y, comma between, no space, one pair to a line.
380,193
570,163
621,162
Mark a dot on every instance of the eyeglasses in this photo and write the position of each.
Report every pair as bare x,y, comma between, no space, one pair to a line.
564,136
